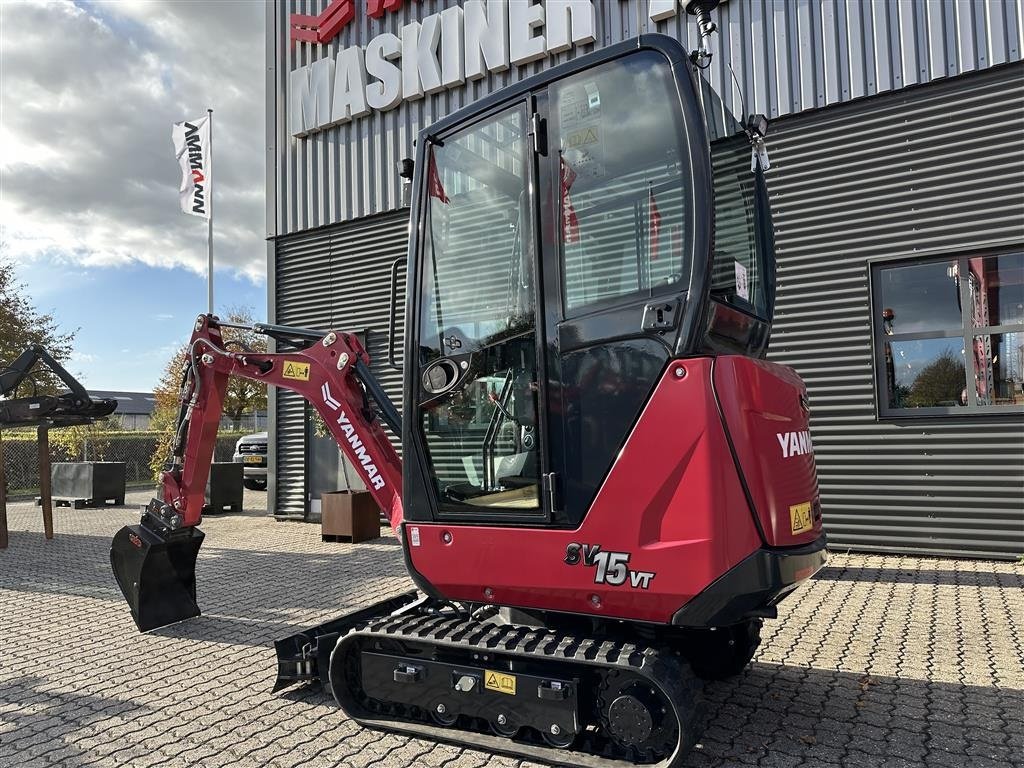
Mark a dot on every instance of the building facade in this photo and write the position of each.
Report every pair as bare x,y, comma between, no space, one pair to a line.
897,187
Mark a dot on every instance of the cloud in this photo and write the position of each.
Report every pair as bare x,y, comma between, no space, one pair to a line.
87,98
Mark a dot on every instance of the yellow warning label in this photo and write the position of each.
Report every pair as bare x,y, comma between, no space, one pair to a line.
800,517
582,137
297,371
500,682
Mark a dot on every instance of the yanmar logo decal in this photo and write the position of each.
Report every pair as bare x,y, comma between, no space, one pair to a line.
355,442
335,17
194,146
794,443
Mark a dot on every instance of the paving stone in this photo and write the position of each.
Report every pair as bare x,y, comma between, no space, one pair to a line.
881,661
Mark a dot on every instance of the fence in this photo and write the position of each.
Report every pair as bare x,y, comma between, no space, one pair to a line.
247,423
135,449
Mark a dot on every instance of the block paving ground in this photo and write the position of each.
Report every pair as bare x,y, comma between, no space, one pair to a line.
880,661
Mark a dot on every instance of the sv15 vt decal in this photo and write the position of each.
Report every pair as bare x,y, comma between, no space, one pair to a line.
610,567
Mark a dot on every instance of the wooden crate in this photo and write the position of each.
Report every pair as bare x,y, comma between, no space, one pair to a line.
349,516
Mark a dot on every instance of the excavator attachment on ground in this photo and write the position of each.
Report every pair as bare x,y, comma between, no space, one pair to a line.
60,410
605,487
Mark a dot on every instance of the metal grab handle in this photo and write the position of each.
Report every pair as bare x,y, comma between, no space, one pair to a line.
391,317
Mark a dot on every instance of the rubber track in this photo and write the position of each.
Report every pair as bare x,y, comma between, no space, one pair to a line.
663,668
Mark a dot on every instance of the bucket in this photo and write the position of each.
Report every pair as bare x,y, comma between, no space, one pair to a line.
156,571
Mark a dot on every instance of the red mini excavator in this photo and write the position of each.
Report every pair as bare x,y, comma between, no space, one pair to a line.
604,486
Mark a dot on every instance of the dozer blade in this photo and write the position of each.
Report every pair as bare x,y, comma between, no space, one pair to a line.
157,573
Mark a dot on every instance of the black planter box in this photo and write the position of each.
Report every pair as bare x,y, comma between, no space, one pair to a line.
224,488
88,483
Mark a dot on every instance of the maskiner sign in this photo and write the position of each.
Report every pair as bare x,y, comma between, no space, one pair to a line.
441,51
192,148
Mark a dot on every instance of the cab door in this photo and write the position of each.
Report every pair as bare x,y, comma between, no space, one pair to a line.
477,376
619,223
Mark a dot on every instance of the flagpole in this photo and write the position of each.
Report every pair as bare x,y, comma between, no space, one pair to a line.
209,221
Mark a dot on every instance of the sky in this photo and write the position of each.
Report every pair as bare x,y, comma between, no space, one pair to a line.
89,208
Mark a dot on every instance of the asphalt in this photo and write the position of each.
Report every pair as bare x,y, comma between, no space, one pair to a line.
879,661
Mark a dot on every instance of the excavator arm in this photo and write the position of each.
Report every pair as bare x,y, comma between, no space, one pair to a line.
154,561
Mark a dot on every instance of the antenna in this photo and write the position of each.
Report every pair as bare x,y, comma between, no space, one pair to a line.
705,27
739,93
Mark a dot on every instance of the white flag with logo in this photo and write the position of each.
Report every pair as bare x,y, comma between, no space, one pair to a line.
192,148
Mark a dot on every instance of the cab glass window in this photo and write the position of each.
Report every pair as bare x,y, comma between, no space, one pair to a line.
478,366
624,180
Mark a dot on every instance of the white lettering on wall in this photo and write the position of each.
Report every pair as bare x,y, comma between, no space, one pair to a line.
486,37
453,58
570,22
309,96
659,10
349,86
441,51
419,47
386,91
523,46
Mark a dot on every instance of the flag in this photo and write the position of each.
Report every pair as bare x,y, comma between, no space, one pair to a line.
434,186
192,148
570,223
653,224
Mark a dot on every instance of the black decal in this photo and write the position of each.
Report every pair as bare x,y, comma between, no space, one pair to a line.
572,554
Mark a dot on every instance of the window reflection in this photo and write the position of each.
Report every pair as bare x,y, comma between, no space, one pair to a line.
623,178
926,373
922,297
951,333
997,290
999,367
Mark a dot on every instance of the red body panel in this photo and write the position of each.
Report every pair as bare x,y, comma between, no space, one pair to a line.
673,501
765,408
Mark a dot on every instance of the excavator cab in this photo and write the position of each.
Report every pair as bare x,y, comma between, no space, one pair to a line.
571,236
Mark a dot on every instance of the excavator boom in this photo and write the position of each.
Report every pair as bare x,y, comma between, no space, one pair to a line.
154,561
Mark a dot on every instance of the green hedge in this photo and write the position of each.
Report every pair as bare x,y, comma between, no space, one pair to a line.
21,457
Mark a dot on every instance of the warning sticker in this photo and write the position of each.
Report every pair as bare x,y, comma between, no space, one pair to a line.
500,682
800,517
297,371
581,138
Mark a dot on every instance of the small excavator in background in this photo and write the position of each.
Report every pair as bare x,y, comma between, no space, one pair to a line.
59,410
604,487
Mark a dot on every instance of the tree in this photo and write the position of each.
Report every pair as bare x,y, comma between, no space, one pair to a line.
21,326
941,382
84,442
165,410
243,395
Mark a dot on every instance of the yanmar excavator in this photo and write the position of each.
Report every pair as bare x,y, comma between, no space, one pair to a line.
604,486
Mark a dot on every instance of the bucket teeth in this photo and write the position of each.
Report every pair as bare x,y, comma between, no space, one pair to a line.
156,571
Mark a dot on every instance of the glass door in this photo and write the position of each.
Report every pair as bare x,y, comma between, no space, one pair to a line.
478,374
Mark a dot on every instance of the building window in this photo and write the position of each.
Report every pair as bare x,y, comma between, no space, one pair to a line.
949,335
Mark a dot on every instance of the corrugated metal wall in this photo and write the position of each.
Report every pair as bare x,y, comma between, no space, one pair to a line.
932,169
787,55
928,170
920,170
334,278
